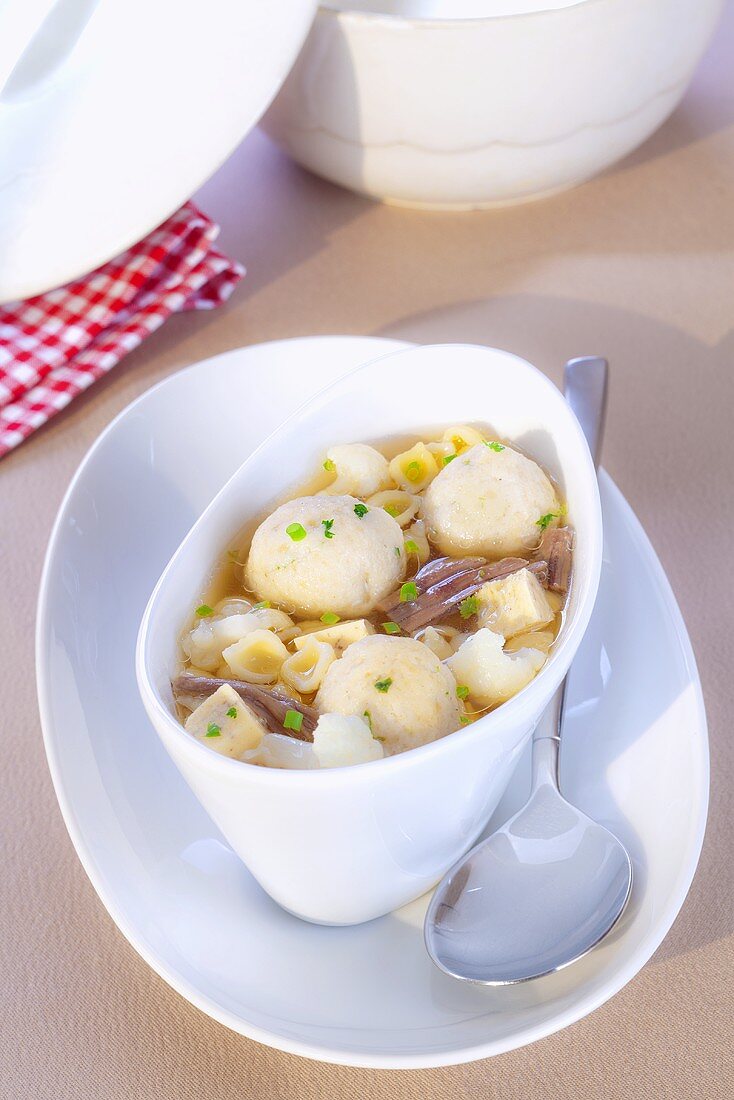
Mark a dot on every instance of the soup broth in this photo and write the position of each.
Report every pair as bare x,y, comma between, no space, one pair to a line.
484,567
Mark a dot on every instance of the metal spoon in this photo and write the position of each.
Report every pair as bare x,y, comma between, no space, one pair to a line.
550,884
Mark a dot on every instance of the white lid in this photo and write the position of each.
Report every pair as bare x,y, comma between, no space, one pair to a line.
117,112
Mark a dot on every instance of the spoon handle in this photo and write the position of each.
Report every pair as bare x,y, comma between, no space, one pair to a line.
547,740
585,390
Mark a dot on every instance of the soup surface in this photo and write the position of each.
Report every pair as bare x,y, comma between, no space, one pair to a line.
406,590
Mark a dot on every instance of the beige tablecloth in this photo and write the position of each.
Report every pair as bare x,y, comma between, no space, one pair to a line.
637,265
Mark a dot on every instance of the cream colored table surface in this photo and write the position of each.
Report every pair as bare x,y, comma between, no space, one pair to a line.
638,266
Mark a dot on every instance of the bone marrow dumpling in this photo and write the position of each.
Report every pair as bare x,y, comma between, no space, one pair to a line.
399,685
322,552
489,500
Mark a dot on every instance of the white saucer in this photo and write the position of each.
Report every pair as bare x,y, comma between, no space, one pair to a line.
635,754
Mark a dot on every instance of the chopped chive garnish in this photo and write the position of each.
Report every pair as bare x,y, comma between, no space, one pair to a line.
293,720
391,628
393,510
327,525
408,592
448,458
462,691
213,730
383,685
261,604
296,531
411,547
329,466
204,611
494,445
546,520
329,618
368,716
232,712
397,551
413,471
468,607
464,719
361,510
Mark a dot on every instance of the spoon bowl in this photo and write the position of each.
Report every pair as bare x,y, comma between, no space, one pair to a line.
512,909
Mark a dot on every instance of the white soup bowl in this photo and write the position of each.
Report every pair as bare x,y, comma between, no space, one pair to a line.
343,845
461,104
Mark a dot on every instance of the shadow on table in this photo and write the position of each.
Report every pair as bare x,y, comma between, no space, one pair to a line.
690,124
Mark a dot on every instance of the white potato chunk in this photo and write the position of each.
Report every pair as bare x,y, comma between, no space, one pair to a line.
276,750
340,740
409,696
492,675
513,604
305,670
345,563
225,724
338,636
413,470
488,502
360,470
257,658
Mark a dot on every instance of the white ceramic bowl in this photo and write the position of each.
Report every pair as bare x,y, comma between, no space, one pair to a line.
535,96
344,845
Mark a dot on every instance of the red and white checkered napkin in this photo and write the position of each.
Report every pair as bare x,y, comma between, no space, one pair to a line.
56,345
